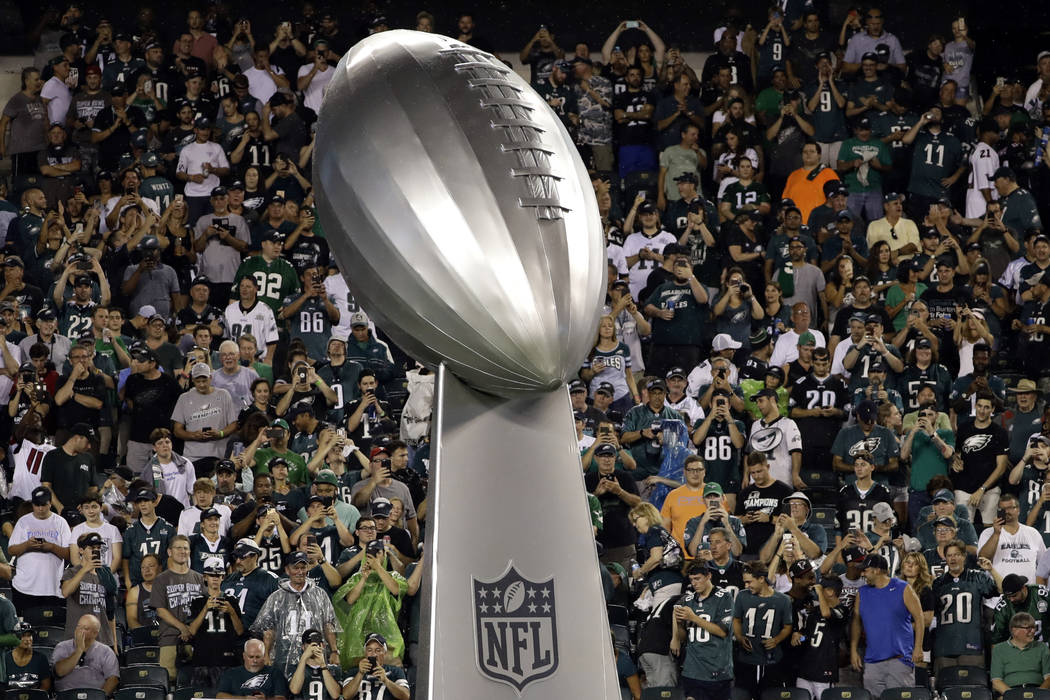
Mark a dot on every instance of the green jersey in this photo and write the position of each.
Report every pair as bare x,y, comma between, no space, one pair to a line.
311,324
687,325
159,190
957,606
297,472
277,280
1020,212
872,149
885,123
936,156
304,445
140,541
828,119
594,506
740,195
720,456
761,618
343,381
1037,604
74,319
709,657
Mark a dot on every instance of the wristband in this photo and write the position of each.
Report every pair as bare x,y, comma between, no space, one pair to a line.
221,435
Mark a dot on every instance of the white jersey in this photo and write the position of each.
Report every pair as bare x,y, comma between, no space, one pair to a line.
191,161
110,535
258,321
689,406
639,272
616,258
1018,553
190,518
786,348
8,383
29,459
40,573
778,440
984,161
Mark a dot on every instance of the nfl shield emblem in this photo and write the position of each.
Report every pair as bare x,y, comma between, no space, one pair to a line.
515,635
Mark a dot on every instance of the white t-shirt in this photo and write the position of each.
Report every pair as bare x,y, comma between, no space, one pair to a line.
1017,553
258,321
190,518
314,92
179,484
984,161
191,160
260,84
639,272
60,97
111,538
29,458
40,573
786,349
778,440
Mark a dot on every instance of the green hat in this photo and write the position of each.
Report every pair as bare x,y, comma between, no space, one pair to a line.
807,339
617,568
281,423
711,487
326,476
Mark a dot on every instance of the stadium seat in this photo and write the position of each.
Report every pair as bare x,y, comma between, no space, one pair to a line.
30,694
618,615
1027,694
915,693
740,694
664,692
189,693
786,694
966,692
145,636
138,656
140,693
820,480
145,676
81,694
845,692
49,636
825,517
45,615
961,676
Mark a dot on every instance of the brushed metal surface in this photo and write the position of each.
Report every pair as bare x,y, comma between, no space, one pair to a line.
507,488
460,212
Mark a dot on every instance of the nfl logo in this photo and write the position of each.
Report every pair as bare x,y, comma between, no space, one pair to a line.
515,635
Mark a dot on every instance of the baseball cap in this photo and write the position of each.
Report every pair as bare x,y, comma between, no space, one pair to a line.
296,558
281,423
724,341
675,372
844,216
764,392
929,233
713,488
118,90
145,494
147,310
91,539
1004,172
93,68
883,512
213,566
800,568
852,554
358,318
299,407
273,236
376,637
326,476
945,522
1014,583
688,176
225,465
647,207
202,123
923,343
870,56
605,450
312,636
605,388
199,370
210,513
866,411
235,185
943,495
807,339
656,384
41,495
84,430
378,450
892,197
876,561
381,507
577,385
219,191
13,261
246,547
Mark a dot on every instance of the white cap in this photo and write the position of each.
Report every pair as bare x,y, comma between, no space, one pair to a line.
147,311
724,341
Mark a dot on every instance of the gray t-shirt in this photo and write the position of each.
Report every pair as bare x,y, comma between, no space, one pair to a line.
396,489
28,117
88,599
197,411
176,593
239,385
155,288
809,281
96,665
219,262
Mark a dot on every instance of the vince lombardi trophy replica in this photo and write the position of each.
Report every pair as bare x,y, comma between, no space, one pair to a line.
465,222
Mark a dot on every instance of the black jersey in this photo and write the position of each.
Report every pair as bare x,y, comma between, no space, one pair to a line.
807,393
854,507
216,642
821,636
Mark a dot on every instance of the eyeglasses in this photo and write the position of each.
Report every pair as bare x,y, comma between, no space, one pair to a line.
1030,628
893,233
367,527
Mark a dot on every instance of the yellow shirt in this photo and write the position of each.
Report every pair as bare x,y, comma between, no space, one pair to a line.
904,232
680,506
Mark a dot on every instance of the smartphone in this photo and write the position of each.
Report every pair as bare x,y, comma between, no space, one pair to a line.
311,540
147,86
631,24
179,198
1000,514
1000,81
642,194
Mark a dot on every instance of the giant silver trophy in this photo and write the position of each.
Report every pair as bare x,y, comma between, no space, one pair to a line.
464,220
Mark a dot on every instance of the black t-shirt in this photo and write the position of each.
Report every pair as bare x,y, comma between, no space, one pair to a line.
767,499
617,530
188,317
72,412
153,401
979,449
216,642
291,135
655,635
201,551
70,476
841,327
634,132
28,676
239,681
401,540
540,62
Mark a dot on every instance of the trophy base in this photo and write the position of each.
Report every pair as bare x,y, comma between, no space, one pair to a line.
513,605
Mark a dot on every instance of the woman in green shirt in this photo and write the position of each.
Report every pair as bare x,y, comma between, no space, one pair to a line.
901,295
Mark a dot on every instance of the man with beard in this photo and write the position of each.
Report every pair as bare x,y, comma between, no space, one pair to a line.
675,307
963,399
642,429
818,406
937,162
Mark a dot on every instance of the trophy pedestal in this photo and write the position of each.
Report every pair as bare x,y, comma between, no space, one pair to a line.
513,604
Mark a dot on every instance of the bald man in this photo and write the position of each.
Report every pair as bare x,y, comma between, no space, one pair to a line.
254,678
82,662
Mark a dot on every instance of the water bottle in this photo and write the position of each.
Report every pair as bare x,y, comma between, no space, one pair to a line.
670,306
1041,149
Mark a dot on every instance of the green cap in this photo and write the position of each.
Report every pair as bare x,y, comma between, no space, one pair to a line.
807,339
326,476
711,487
281,423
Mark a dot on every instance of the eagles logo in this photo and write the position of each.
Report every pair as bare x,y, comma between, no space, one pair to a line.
976,443
255,682
766,439
866,445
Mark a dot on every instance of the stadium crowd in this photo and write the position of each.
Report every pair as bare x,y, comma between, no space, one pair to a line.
811,427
